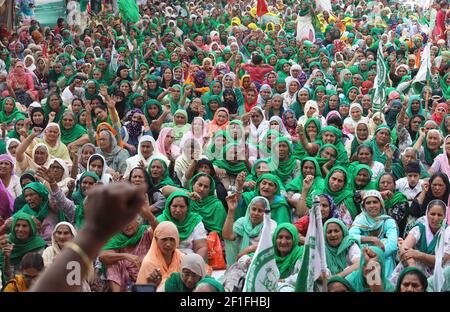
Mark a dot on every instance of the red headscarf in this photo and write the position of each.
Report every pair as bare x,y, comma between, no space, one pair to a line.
439,116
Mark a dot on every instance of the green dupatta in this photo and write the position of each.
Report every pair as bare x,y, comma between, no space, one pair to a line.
337,256
78,198
72,134
230,168
345,195
283,169
121,240
166,180
192,219
210,208
286,264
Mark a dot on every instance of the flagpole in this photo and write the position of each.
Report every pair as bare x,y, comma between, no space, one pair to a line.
427,97
324,281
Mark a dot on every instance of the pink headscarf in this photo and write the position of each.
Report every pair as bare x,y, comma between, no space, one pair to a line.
6,199
439,117
160,144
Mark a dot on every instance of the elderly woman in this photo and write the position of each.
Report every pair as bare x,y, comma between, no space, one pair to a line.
193,269
361,136
259,125
115,156
10,181
219,122
231,164
21,85
123,254
72,134
179,125
9,112
63,232
418,248
159,172
189,223
191,151
24,238
165,146
373,227
288,255
380,143
441,162
399,168
52,139
163,258
355,117
429,146
84,153
242,236
146,149
282,163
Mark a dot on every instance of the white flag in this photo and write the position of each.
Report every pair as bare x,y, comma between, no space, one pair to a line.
379,97
425,64
314,260
263,273
324,5
439,255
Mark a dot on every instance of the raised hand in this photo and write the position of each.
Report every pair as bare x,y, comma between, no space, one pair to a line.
232,202
155,277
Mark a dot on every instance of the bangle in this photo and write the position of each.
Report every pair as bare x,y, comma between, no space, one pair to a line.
80,252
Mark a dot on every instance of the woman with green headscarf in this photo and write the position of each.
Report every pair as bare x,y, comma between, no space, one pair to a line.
308,167
215,88
85,182
25,238
54,103
333,135
361,177
360,280
308,137
179,211
8,111
230,164
243,233
124,253
159,173
341,249
215,146
415,106
269,186
282,163
153,87
374,227
179,125
260,166
208,206
209,284
412,279
337,185
71,132
288,253
174,97
91,89
380,142
18,124
429,146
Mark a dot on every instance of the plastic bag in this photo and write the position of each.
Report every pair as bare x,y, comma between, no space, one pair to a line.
215,252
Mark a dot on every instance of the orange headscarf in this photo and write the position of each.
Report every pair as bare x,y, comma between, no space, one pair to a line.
155,259
213,126
109,128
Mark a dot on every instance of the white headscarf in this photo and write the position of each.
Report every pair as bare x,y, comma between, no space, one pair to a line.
106,177
257,134
51,252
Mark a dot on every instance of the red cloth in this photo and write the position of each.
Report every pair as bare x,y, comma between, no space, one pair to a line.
261,8
257,72
302,225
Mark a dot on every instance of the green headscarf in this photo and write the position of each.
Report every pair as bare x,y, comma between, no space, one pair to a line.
210,150
345,195
357,168
398,197
337,256
283,169
252,176
300,152
280,211
72,134
175,284
147,105
377,154
317,187
342,280
417,271
357,280
78,198
43,209
210,208
13,134
429,155
13,115
189,223
287,263
409,110
213,282
230,168
33,243
342,156
47,109
121,240
166,180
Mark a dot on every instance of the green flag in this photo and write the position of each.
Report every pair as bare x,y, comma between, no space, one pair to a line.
379,97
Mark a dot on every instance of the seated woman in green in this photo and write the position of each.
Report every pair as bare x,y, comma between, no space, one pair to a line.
22,239
123,254
233,162
341,249
242,236
373,227
371,267
411,279
339,284
258,169
418,248
191,229
159,173
288,255
269,187
193,269
282,162
205,203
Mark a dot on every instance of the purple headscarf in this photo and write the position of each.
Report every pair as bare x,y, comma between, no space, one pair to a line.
134,128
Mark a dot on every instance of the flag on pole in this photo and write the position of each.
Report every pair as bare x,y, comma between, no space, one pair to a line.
261,8
324,5
314,260
424,73
263,273
379,97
